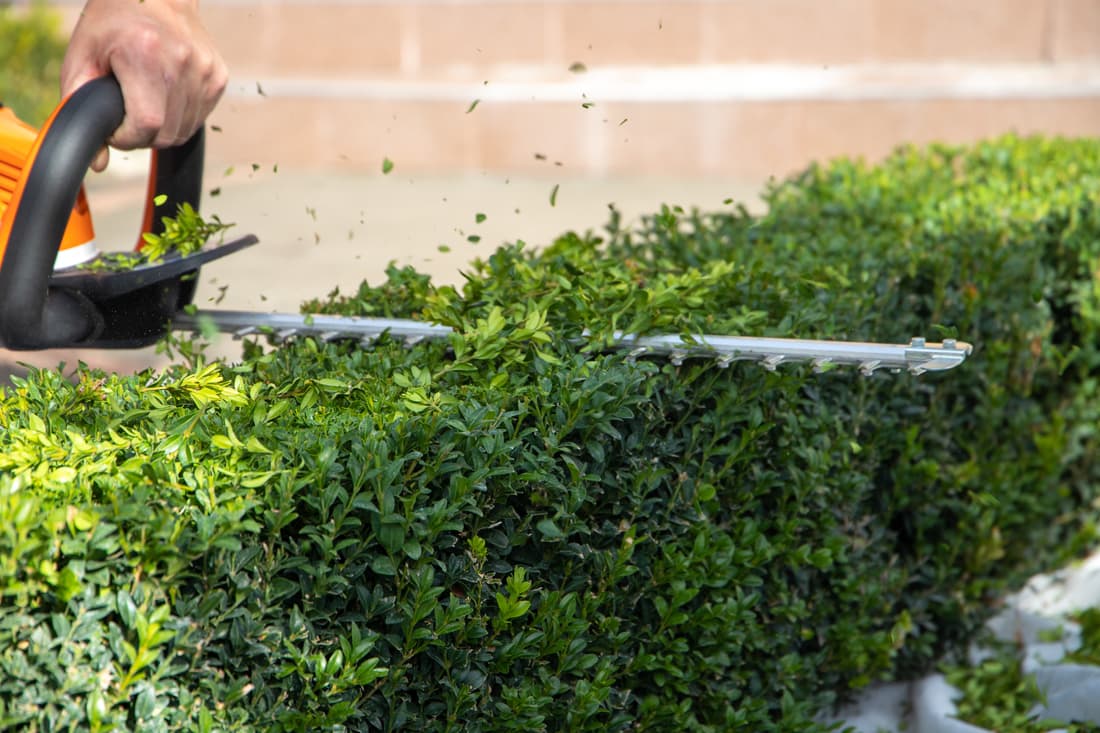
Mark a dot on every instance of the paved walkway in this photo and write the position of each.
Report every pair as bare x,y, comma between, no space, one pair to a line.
321,230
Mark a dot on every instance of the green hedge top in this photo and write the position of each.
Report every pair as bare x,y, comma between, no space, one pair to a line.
511,532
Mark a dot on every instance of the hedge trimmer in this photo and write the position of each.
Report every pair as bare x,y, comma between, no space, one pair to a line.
57,290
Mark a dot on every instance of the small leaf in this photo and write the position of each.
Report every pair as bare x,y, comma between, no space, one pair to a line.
221,442
145,705
333,385
392,533
63,474
387,166
253,445
549,530
127,609
548,357
383,565
256,480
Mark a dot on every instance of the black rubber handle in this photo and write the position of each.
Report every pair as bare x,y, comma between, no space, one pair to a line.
177,176
34,315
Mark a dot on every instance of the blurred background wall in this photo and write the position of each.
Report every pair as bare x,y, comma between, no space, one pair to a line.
741,89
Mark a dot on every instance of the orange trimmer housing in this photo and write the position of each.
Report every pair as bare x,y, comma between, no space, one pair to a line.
17,146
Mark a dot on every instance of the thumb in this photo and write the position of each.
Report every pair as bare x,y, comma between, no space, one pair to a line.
70,85
84,60
77,69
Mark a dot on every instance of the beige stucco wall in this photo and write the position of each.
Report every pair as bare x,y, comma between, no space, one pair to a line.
695,88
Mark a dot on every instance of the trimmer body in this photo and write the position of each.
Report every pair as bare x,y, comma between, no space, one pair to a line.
51,292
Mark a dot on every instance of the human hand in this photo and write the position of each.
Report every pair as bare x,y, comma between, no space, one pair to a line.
170,72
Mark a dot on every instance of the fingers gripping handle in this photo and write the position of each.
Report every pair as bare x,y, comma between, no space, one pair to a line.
34,315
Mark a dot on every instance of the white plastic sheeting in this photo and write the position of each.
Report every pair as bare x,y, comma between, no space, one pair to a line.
1037,618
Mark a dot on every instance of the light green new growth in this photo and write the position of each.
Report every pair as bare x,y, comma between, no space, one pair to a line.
184,234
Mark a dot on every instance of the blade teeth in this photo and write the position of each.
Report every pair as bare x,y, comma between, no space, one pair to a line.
772,362
868,368
917,357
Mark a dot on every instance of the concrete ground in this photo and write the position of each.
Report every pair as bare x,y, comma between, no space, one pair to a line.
320,230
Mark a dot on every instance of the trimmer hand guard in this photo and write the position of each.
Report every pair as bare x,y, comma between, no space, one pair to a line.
135,307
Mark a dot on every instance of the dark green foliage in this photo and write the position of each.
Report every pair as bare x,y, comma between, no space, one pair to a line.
32,46
512,533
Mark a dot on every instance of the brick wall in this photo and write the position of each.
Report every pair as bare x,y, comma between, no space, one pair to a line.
700,88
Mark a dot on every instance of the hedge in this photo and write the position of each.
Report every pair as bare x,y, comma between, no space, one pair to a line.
514,532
